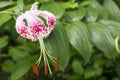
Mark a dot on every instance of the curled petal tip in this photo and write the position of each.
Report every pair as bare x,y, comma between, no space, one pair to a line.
34,6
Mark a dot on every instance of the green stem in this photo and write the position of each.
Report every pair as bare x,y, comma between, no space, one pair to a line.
51,57
45,54
39,59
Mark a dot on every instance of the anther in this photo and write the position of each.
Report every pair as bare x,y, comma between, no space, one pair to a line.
57,64
35,69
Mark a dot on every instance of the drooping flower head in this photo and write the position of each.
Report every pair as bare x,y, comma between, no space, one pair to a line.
29,24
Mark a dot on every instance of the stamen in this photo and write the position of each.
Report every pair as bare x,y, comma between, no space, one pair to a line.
45,55
57,64
35,69
48,66
51,57
39,59
45,68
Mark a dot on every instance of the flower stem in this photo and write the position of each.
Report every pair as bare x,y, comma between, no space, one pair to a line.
45,55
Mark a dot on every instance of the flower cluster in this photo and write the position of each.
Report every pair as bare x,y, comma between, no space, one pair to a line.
29,25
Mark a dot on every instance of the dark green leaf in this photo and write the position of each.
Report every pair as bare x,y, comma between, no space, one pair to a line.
3,55
98,63
3,41
22,67
77,67
90,73
58,45
72,77
56,8
17,52
79,37
8,66
117,69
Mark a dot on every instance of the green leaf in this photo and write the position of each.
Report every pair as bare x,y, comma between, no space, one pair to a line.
100,10
113,26
117,69
6,3
3,41
77,67
85,3
22,67
56,8
90,73
43,1
17,52
72,77
91,15
19,7
70,4
98,63
112,9
4,18
102,39
58,45
4,55
75,15
8,66
79,37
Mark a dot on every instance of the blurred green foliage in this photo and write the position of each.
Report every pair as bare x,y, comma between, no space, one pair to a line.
86,37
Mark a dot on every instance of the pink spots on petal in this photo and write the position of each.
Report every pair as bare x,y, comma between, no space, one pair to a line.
35,29
51,22
34,24
34,37
22,30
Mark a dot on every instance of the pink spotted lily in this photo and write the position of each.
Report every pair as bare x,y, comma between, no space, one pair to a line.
30,26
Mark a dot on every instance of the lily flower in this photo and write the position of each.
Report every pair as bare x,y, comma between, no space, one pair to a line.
30,26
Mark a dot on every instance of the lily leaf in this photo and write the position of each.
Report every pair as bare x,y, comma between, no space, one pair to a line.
100,10
79,37
112,9
6,3
75,15
58,45
102,39
113,26
91,15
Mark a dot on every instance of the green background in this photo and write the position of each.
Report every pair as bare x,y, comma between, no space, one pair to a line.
86,38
